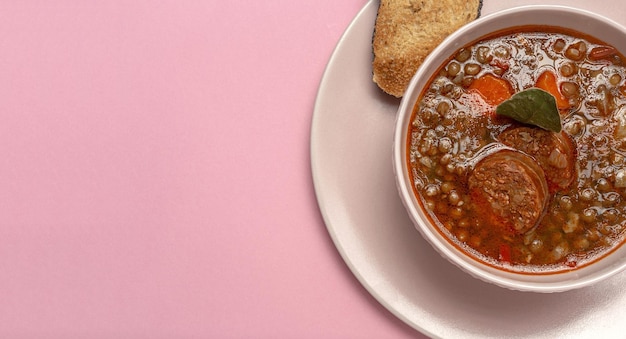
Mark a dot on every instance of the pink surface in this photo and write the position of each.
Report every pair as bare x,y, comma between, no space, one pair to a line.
156,179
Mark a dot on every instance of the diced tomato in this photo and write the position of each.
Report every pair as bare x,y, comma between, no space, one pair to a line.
505,253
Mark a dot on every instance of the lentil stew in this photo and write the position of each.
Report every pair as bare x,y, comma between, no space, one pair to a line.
516,196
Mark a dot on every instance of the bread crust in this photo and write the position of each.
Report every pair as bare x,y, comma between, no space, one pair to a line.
406,31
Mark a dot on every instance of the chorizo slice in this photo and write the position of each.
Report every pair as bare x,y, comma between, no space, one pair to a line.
555,153
509,191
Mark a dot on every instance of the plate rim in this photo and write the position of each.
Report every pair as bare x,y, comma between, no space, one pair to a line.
316,180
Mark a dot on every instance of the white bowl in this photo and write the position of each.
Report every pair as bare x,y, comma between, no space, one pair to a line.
566,17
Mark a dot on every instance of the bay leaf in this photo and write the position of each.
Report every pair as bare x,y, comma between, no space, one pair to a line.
533,106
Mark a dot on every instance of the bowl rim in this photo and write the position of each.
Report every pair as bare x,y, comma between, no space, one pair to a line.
545,283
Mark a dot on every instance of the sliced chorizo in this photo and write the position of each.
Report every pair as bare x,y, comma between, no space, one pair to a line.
509,191
555,153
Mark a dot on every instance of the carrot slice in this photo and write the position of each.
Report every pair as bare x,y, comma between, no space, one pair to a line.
547,82
493,89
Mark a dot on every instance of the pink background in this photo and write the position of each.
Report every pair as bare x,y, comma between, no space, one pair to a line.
155,177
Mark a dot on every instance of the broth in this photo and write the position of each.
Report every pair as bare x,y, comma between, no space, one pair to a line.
515,196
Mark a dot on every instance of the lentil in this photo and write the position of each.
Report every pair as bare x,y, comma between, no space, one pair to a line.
585,216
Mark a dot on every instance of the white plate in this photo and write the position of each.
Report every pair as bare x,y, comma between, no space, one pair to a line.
351,140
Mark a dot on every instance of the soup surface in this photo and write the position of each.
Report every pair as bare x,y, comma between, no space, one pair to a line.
517,196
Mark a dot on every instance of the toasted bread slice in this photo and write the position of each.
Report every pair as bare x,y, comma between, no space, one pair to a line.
406,31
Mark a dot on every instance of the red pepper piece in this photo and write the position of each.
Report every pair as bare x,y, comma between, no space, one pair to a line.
602,52
505,253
